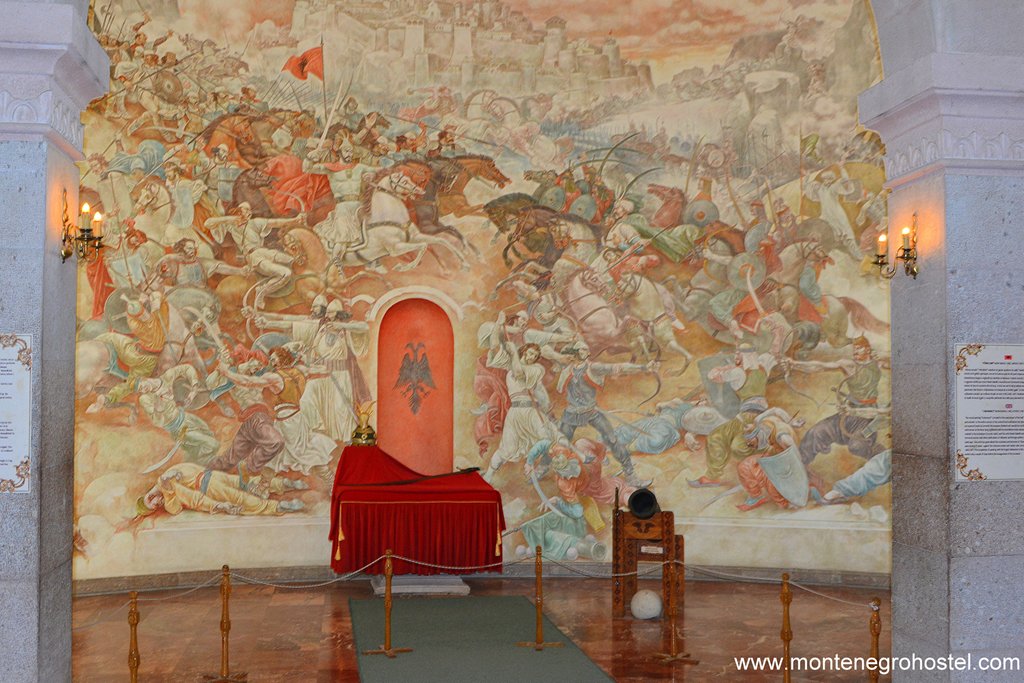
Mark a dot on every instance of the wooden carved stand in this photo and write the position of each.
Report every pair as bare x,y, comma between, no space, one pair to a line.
655,540
672,653
630,537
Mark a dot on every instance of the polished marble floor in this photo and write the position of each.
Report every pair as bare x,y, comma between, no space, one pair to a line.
304,635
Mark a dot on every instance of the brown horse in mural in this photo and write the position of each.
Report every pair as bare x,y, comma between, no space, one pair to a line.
670,214
251,186
444,191
452,179
235,133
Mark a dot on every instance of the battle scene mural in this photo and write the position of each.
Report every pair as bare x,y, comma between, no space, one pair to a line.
650,224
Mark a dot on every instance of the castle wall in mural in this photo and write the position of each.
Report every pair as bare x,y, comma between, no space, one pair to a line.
655,226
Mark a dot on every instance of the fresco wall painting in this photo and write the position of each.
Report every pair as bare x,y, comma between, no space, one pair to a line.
652,230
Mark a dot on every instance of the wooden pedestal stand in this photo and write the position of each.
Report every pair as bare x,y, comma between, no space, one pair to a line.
629,536
386,649
672,653
133,637
539,644
875,626
225,675
786,597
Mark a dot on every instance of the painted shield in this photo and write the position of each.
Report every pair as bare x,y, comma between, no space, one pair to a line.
745,263
552,197
701,213
787,473
585,207
167,87
702,420
181,390
115,311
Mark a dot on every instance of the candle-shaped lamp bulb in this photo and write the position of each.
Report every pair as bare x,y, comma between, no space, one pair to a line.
906,237
97,221
883,245
85,208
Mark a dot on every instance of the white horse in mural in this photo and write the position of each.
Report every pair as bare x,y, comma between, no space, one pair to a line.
388,230
152,211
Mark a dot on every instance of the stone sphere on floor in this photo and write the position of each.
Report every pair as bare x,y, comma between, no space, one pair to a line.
646,604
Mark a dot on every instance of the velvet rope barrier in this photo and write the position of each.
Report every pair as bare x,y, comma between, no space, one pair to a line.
672,653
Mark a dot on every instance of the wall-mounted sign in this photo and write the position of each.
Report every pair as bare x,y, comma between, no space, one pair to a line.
989,411
15,411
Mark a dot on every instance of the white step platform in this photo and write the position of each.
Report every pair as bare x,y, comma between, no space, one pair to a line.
413,584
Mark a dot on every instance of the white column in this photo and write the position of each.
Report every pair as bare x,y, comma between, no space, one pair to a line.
951,114
50,68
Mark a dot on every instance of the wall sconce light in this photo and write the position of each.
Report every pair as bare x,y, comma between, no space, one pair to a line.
83,239
906,253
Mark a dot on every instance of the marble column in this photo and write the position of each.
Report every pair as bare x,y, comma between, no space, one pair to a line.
951,114
50,68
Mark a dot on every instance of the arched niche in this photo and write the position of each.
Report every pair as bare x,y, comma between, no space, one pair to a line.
415,385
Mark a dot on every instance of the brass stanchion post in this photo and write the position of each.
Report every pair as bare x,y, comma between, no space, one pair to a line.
875,624
673,654
787,632
386,648
133,638
225,675
539,644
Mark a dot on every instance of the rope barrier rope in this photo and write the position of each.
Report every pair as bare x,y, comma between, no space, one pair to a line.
479,566
346,577
733,577
115,610
101,619
831,597
206,584
744,579
658,566
611,575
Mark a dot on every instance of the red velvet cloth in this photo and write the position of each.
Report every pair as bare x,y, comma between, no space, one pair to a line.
294,190
102,285
455,521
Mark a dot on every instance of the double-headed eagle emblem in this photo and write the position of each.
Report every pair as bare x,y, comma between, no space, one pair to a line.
414,378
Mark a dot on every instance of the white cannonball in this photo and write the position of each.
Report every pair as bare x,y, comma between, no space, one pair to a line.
645,604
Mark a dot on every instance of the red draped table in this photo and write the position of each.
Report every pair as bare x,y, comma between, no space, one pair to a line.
378,503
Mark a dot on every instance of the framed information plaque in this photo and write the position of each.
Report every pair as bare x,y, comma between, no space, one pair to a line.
989,411
15,412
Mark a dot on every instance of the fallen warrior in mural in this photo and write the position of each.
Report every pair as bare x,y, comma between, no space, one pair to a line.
187,486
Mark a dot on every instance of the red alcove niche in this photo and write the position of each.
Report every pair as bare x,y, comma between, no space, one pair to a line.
414,421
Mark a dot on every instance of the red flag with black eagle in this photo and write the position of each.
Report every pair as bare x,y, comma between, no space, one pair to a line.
309,62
